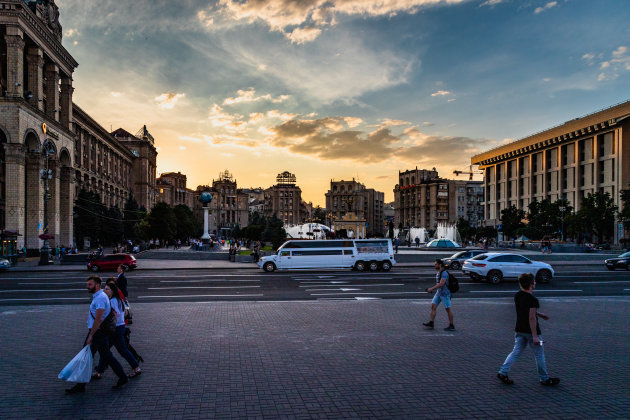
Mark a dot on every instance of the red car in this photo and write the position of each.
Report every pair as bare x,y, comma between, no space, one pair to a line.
111,262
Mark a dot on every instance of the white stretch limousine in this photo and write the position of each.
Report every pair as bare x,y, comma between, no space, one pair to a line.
357,254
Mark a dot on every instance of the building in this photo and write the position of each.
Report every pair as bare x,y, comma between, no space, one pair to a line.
423,199
41,129
284,200
229,207
172,190
143,172
366,203
584,155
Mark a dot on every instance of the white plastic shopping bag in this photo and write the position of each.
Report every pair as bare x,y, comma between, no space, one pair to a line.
80,368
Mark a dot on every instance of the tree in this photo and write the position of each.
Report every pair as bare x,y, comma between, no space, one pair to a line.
88,210
112,230
466,231
319,215
624,214
162,222
131,216
511,219
187,225
274,232
598,213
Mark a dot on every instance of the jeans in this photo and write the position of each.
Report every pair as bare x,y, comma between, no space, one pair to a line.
118,340
521,340
100,343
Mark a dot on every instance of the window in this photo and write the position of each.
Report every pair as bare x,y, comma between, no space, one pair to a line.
309,253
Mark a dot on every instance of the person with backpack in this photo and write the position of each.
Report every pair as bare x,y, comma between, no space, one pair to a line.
442,294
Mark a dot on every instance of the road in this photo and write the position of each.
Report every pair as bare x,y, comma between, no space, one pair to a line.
252,285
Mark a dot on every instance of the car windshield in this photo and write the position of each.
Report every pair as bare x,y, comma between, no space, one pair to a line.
479,257
458,254
625,255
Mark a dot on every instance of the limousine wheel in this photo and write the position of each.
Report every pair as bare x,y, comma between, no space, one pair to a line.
386,266
360,266
373,266
269,267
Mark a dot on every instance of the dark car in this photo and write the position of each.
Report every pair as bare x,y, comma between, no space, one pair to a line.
111,262
455,261
622,261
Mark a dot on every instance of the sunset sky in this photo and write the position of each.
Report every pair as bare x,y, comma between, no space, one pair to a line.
341,89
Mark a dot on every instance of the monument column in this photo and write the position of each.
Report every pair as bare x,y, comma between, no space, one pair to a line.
35,60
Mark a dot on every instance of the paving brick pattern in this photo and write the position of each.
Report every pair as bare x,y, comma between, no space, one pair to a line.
331,359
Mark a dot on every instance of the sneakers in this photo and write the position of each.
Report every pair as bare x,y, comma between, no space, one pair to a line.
451,327
429,325
505,379
77,389
121,382
550,382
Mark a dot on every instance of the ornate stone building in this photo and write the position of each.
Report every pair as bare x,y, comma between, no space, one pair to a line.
584,155
423,199
284,200
366,203
41,129
171,188
229,207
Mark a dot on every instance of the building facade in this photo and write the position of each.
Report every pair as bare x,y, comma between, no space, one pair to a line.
366,203
584,155
41,129
229,207
172,190
284,200
423,199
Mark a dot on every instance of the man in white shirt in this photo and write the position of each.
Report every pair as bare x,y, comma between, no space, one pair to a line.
97,339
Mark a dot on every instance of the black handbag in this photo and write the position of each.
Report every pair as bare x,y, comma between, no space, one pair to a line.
108,326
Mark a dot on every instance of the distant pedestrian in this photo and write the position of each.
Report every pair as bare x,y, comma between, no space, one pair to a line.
121,281
442,294
396,243
99,323
527,332
417,242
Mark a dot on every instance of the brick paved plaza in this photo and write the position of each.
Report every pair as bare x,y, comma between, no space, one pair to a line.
326,359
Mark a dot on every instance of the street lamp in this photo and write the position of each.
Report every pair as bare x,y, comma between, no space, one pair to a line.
46,175
562,210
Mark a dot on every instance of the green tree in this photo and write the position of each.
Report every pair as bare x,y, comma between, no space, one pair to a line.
112,230
187,225
319,215
162,222
598,213
131,216
466,231
142,229
274,232
624,214
512,219
87,222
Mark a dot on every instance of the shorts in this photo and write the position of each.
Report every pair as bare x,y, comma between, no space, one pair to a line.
437,299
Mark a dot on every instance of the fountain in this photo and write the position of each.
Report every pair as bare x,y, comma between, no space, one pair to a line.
447,231
307,231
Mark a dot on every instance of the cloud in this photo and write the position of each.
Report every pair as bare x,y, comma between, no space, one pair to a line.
168,100
441,93
545,7
188,138
428,124
329,139
490,3
589,58
69,33
249,95
182,147
618,63
303,21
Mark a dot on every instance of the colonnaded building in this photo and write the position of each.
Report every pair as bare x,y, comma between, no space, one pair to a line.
42,129
585,155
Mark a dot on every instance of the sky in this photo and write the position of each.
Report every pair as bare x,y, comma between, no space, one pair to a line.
332,89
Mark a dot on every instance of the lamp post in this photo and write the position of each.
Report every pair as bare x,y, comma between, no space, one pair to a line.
562,210
45,175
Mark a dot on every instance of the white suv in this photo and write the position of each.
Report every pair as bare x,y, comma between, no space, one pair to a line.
495,266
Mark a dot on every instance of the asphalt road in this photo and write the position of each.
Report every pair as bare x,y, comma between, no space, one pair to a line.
252,285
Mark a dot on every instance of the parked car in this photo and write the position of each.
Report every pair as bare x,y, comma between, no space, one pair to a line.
4,264
111,262
455,261
622,261
495,266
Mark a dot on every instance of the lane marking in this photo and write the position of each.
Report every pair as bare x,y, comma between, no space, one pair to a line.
603,281
343,289
370,293
206,281
512,291
46,290
202,287
194,296
32,299
51,283
355,285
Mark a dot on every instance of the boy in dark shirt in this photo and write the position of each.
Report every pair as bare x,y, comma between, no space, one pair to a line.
527,331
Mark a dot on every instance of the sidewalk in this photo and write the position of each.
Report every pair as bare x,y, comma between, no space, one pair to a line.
324,360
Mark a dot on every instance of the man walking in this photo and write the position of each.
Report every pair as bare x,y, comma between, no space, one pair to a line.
527,331
442,295
121,281
97,338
